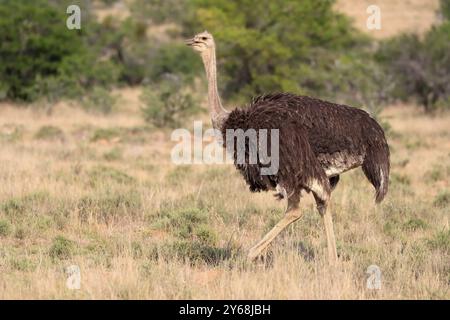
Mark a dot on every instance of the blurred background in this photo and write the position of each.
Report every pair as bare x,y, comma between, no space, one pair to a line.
318,48
86,176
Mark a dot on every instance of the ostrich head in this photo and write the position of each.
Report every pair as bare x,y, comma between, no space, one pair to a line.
202,42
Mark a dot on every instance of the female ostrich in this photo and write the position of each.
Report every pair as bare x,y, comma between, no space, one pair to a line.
318,141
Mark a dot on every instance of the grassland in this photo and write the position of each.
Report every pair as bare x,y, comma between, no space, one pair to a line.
101,192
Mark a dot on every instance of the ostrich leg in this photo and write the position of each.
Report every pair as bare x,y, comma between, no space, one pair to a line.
292,214
329,230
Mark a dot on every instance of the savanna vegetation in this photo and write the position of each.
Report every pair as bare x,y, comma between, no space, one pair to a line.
86,175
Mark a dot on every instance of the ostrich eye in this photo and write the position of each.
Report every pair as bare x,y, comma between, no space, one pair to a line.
204,38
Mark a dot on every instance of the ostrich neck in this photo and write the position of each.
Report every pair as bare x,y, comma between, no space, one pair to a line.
217,111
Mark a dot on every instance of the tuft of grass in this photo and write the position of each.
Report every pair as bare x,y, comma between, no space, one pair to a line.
17,207
415,224
109,206
22,264
11,132
99,100
400,179
442,200
194,252
179,174
107,134
113,155
186,223
441,241
49,133
100,175
5,228
61,248
438,172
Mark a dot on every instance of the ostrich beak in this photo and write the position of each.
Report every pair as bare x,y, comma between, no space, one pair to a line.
189,42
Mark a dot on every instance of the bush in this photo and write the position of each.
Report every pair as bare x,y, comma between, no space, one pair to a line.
34,44
40,57
99,100
421,68
5,228
445,9
61,248
175,59
281,46
167,103
110,206
49,133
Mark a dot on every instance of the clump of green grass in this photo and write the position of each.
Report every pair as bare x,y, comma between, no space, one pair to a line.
400,179
17,207
414,224
113,155
109,206
11,132
441,241
106,134
186,223
194,252
49,133
61,248
438,172
442,200
99,100
102,174
179,174
22,264
5,228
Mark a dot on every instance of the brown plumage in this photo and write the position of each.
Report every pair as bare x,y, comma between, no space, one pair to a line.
318,140
315,136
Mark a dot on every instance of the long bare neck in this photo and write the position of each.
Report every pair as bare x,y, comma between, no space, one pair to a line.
217,111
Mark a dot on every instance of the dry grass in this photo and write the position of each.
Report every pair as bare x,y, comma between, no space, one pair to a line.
101,193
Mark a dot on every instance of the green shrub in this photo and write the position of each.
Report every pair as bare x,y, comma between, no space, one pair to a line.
167,104
101,175
42,59
420,67
18,207
106,134
445,9
194,252
113,155
109,206
186,223
279,46
159,11
22,264
414,224
49,133
61,248
11,132
99,100
5,228
441,241
175,59
442,200
33,49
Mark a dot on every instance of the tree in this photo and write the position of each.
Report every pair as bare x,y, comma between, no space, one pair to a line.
421,67
39,56
273,45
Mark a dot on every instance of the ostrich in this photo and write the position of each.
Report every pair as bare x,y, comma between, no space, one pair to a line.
318,140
